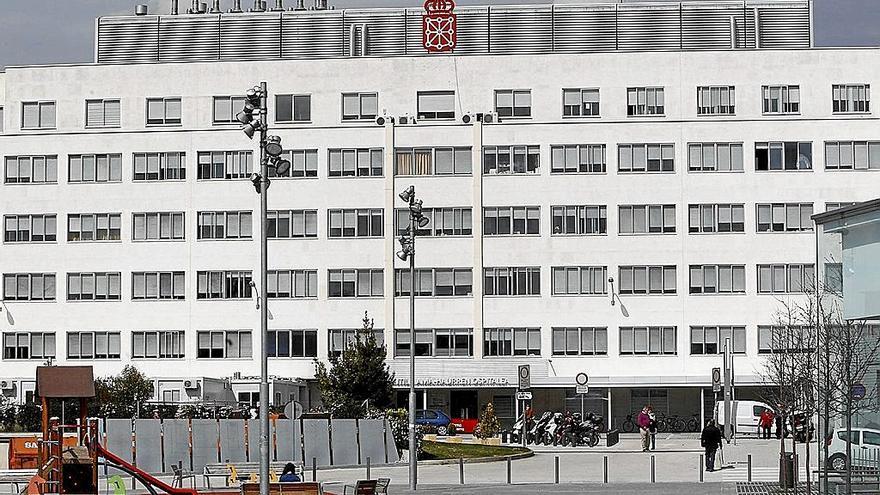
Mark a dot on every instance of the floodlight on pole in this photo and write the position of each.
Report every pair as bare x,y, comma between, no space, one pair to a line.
282,166
273,145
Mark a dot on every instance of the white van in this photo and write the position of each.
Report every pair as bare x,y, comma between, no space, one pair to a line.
747,414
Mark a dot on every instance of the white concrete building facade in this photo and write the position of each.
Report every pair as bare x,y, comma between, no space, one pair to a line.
688,176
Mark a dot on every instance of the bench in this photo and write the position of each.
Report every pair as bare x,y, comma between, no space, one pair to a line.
369,487
251,488
16,477
245,471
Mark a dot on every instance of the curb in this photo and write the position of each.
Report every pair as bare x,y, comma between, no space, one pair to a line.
479,460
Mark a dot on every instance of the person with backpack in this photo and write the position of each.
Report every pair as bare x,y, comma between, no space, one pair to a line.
710,439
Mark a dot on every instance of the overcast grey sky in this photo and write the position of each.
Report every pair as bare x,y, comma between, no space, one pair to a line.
62,31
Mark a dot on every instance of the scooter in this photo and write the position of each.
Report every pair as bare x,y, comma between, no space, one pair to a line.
549,436
536,434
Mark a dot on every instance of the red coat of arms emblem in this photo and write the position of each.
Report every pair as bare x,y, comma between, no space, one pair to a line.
438,26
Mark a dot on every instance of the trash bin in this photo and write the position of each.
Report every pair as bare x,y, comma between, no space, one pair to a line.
786,470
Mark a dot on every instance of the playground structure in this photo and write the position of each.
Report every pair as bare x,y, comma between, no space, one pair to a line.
73,469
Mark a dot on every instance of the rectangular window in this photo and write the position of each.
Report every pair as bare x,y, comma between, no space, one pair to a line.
645,101
360,282
360,106
158,226
225,164
292,343
511,342
163,111
168,165
85,227
341,339
38,115
28,286
158,344
785,99
647,340
94,168
837,205
579,220
504,160
833,281
293,108
355,222
443,221
355,162
786,278
220,344
654,279
157,285
512,281
646,219
852,155
785,338
716,100
435,105
437,282
225,225
292,284
513,103
788,155
303,163
645,158
102,113
29,228
225,284
578,280
711,339
39,169
717,279
785,217
437,342
851,98
28,345
292,224
511,220
93,345
432,161
580,341
98,286
715,157
226,107
577,159
707,218
583,102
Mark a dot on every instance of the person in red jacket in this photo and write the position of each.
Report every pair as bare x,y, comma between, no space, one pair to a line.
766,422
644,422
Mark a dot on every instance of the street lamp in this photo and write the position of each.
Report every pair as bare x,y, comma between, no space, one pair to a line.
408,252
253,118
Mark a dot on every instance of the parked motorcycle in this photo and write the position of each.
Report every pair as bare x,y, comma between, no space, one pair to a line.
550,431
536,434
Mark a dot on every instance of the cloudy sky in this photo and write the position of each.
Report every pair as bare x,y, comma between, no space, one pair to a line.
62,31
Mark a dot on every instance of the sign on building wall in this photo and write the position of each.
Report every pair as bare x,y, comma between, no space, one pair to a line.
438,26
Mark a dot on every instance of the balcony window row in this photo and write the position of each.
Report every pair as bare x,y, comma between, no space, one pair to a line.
433,161
442,105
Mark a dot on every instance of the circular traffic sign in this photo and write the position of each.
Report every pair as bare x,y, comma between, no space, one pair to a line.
524,371
716,375
581,379
293,410
858,391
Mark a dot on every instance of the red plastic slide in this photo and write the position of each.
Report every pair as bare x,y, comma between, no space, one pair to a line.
144,476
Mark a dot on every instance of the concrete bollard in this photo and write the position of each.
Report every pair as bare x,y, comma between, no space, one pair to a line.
508,470
749,459
604,469
653,475
314,469
368,469
700,467
556,470
461,470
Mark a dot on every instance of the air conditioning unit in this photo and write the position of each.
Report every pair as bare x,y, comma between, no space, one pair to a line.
6,385
468,118
406,119
383,119
489,118
190,384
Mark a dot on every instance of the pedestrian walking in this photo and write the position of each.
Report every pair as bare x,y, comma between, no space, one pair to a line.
780,419
710,439
765,423
652,427
644,421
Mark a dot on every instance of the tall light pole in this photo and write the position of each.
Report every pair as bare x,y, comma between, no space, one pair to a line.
408,251
270,151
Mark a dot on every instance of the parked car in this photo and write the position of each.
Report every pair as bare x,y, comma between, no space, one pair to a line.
435,418
865,448
746,415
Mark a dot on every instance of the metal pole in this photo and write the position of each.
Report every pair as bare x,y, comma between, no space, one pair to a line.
701,468
368,469
413,466
728,392
508,470
556,470
604,469
264,295
461,470
750,468
653,477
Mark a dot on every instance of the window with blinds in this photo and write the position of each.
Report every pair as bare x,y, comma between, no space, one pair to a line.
436,105
158,285
103,113
155,226
93,345
161,344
